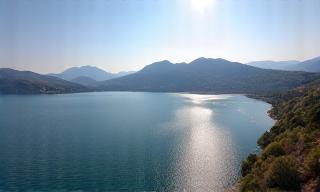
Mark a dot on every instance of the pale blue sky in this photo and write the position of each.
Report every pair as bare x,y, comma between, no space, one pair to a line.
122,35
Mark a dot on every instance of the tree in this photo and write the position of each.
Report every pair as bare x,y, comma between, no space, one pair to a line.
283,174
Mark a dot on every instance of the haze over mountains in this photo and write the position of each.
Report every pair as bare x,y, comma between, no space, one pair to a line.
311,65
279,65
27,82
94,73
201,75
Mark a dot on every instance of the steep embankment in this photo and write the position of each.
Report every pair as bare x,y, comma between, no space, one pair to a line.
290,157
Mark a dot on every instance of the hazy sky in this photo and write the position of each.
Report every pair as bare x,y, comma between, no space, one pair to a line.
116,35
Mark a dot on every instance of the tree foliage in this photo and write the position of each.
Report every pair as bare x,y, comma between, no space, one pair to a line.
290,157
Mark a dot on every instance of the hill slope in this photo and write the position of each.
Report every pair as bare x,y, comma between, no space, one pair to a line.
290,159
312,65
85,81
26,82
208,75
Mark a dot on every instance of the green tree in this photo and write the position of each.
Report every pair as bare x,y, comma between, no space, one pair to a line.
248,164
283,174
312,161
273,149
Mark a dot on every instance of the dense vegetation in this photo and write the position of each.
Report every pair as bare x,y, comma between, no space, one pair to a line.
290,157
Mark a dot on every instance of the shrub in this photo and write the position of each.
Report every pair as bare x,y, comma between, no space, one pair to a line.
247,164
265,139
273,149
249,183
283,174
312,161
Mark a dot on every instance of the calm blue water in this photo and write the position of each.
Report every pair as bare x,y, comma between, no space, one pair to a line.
120,141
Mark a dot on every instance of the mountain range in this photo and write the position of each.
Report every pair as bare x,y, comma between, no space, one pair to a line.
27,82
208,75
200,75
278,65
90,72
311,65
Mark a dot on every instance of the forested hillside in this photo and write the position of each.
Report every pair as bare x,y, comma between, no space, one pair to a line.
290,156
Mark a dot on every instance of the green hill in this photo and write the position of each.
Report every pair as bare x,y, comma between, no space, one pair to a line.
290,156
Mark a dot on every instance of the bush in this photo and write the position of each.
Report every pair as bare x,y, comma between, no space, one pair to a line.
312,161
249,183
247,164
264,140
273,149
283,174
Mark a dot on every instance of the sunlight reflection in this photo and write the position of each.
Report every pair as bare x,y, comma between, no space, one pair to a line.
204,150
199,99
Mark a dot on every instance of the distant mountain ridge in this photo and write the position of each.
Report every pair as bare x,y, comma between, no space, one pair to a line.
27,82
84,71
311,65
88,71
84,80
207,75
278,65
201,75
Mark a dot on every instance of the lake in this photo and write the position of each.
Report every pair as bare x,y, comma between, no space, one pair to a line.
124,141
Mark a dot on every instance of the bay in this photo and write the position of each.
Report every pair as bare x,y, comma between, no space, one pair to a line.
126,141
